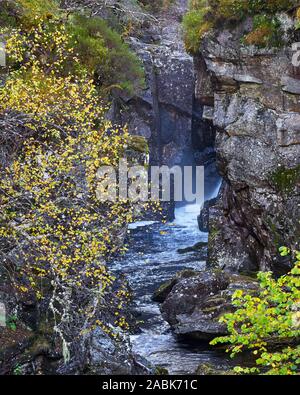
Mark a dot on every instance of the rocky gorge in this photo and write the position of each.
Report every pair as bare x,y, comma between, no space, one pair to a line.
230,107
245,112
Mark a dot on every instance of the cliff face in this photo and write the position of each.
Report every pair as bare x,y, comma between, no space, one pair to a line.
162,112
166,112
253,98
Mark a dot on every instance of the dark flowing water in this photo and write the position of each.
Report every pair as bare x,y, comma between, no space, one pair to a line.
151,260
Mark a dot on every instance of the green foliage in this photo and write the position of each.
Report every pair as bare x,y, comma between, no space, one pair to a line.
32,12
298,18
12,322
284,251
138,144
64,232
195,26
204,15
267,323
104,53
239,9
7,16
267,32
101,50
17,370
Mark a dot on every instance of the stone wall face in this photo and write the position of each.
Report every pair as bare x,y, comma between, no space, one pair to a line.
253,97
162,112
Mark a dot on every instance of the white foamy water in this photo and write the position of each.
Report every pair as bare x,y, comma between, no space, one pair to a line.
186,216
140,224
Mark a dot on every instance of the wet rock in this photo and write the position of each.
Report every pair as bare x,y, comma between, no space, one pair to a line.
163,291
194,305
203,218
104,355
291,85
206,369
13,345
161,371
206,156
197,247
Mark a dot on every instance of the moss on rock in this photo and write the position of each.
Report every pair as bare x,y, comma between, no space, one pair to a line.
285,179
138,144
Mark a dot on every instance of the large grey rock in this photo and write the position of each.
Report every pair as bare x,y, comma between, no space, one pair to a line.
105,356
194,305
256,102
163,291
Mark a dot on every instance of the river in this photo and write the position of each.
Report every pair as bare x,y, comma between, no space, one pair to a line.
152,259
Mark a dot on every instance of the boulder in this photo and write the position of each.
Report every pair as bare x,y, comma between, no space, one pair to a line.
206,369
197,247
194,305
163,291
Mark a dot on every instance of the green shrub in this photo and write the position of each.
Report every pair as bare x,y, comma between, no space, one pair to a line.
204,15
7,14
104,53
298,18
28,13
266,32
101,50
12,322
195,25
267,324
241,8
274,6
33,12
